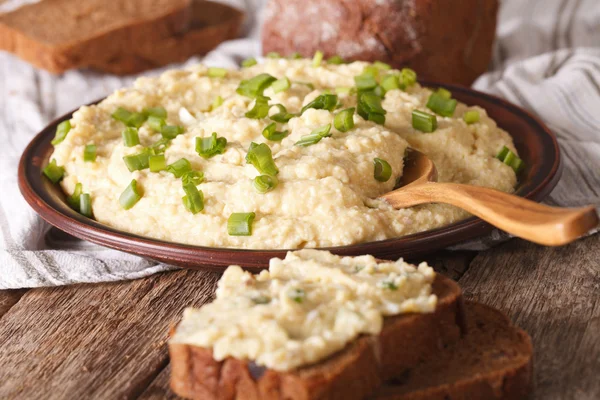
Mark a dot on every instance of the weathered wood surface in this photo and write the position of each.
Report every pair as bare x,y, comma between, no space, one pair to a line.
107,341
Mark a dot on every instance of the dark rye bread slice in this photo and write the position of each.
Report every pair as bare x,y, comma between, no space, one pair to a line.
353,373
57,35
493,361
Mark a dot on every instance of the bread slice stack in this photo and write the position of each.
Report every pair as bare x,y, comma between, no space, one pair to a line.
457,352
120,37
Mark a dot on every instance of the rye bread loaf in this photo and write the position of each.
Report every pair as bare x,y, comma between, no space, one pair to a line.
353,373
493,361
120,37
444,41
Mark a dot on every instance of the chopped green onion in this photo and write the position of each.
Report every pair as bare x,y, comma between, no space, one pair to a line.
130,196
509,158
335,60
261,157
156,123
317,58
85,205
89,153
441,105
281,85
193,177
366,81
129,118
382,66
264,183
193,199
389,285
371,70
344,90
390,82
249,62
74,199
137,162
240,224
423,121
383,170
54,172
295,56
130,136
377,118
157,163
409,77
273,54
298,295
369,107
344,120
283,115
445,93
160,146
171,131
217,102
215,72
261,108
271,133
315,136
179,167
255,87
322,102
159,112
208,147
61,132
471,117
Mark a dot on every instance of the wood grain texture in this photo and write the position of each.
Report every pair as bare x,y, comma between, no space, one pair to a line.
554,294
102,341
9,298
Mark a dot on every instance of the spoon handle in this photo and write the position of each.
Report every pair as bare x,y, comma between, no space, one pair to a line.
539,223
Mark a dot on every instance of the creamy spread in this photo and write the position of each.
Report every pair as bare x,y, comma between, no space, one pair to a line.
305,307
325,192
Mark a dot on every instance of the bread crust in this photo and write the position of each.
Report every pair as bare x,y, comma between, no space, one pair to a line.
353,373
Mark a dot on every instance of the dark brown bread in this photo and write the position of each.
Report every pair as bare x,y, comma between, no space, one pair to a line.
353,373
493,361
445,41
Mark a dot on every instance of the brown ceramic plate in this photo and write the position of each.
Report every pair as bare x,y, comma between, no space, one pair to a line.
537,146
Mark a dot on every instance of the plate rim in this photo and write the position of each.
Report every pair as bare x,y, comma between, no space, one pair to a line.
216,257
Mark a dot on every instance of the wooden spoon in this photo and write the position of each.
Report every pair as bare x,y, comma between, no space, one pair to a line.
539,223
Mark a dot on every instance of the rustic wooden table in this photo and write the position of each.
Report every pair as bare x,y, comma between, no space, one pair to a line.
108,341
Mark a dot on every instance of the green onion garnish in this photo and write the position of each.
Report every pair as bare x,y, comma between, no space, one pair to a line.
130,136
366,81
129,118
157,163
445,93
156,123
344,120
208,147
283,115
137,162
335,60
54,172
249,62
344,90
89,153
85,205
264,183
240,224
130,196
261,108
377,118
215,72
383,170
179,167
389,285
471,117
369,107
261,157
509,158
423,121
295,56
317,58
193,177
255,87
298,295
281,85
273,54
390,82
441,105
271,133
217,102
171,131
409,77
159,112
382,66
193,199
160,146
315,136
61,132
322,102
74,199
